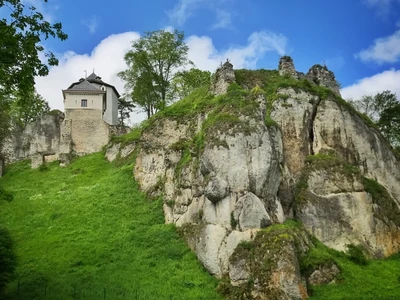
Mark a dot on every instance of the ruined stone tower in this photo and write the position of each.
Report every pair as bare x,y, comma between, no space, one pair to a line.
286,67
224,76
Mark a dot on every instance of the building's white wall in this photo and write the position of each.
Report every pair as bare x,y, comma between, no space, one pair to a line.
94,101
114,105
111,114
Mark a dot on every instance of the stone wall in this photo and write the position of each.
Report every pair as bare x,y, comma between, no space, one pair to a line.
36,140
88,132
56,136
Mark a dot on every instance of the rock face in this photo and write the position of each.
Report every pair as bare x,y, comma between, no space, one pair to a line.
286,67
223,77
36,141
227,179
58,136
320,75
325,274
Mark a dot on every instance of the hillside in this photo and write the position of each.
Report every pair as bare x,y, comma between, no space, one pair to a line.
281,189
86,232
258,149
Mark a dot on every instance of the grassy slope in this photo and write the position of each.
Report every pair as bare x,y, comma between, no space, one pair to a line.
85,232
378,279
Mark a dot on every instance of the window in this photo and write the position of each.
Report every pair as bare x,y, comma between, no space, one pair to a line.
84,103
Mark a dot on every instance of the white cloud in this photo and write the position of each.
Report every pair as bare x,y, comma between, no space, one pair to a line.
91,24
387,80
224,19
383,7
334,63
384,50
107,59
183,11
203,53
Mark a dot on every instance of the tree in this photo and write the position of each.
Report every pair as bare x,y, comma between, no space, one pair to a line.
152,62
20,47
28,107
384,110
185,82
125,108
145,94
366,106
388,108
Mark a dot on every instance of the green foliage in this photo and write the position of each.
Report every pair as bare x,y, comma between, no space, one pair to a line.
7,257
387,207
133,136
378,279
389,116
356,254
21,37
151,63
185,82
234,223
5,117
28,107
384,110
5,195
43,167
125,107
85,230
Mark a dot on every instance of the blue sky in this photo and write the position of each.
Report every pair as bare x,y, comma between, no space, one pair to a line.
357,39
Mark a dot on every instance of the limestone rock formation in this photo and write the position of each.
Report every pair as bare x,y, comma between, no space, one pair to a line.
58,136
320,75
272,263
286,67
324,274
38,140
228,174
223,77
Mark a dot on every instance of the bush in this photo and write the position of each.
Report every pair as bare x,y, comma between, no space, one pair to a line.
7,258
356,254
6,196
43,168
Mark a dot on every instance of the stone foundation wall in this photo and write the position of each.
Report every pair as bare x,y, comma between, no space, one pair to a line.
89,133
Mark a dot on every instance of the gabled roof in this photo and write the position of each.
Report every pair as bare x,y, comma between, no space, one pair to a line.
83,85
93,78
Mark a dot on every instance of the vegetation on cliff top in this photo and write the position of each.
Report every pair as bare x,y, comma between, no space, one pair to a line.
86,232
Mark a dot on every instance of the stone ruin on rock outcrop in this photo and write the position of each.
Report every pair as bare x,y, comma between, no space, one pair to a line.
223,77
317,74
313,164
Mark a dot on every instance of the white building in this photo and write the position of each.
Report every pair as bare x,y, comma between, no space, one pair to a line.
91,113
93,94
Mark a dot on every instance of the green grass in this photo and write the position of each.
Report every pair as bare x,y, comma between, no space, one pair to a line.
86,232
379,279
